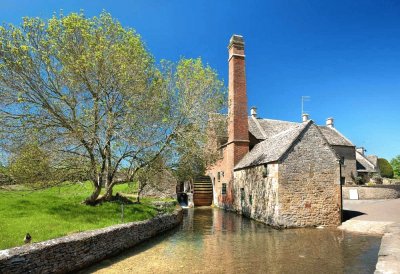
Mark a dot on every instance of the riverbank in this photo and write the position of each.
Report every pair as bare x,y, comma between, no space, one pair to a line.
57,211
71,253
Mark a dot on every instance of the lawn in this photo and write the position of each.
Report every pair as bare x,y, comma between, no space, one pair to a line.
57,211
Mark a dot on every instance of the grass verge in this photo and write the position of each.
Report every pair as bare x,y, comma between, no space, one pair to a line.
57,211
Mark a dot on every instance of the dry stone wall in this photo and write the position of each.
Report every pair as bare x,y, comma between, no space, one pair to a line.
374,192
79,250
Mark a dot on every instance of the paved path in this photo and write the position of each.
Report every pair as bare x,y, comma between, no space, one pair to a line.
373,210
370,216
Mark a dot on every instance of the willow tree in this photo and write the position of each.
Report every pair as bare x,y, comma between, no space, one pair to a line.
89,87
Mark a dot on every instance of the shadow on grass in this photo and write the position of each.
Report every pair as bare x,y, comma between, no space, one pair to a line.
350,214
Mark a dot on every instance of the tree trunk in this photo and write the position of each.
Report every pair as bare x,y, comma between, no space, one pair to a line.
108,195
92,199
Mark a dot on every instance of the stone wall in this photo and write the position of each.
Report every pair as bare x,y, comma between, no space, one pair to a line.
349,167
309,183
71,253
374,192
256,193
303,190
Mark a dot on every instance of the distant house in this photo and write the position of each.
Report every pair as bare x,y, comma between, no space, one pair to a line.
282,173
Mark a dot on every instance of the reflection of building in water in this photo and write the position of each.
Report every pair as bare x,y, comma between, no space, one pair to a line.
240,245
215,241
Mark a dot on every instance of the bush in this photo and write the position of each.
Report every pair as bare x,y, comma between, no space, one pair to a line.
376,179
385,167
395,163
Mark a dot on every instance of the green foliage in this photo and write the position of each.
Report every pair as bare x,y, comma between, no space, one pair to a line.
30,165
395,163
57,211
88,87
385,168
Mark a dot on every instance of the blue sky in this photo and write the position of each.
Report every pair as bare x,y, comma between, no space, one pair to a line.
344,54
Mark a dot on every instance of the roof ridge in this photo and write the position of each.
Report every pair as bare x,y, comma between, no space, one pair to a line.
268,119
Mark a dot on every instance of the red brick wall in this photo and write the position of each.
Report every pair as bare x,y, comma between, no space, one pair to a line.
238,128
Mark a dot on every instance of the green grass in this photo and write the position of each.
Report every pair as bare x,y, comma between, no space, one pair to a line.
57,211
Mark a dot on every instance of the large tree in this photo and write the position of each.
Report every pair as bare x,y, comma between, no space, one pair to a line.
89,87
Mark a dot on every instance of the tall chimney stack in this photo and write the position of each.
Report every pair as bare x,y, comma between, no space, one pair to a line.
238,127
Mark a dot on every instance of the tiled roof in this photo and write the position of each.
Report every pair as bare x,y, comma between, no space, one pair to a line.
334,137
273,127
263,129
273,147
364,164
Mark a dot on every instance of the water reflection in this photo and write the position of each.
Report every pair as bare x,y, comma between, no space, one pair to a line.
215,241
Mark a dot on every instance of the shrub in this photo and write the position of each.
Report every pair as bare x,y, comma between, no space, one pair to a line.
385,167
376,179
395,163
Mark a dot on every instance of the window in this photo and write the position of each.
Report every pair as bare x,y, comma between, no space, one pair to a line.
265,171
251,199
219,176
223,192
242,195
342,160
342,180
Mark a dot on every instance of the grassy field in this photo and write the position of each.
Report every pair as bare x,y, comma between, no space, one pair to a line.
57,211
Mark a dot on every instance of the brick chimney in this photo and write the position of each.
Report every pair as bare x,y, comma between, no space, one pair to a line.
238,127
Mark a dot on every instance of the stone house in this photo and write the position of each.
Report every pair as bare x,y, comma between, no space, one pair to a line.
282,173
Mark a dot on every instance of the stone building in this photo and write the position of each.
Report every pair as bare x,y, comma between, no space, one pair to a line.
282,173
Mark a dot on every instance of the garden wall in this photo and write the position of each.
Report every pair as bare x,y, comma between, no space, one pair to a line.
79,250
373,192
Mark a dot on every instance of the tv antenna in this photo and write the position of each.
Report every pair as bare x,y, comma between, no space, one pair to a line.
303,100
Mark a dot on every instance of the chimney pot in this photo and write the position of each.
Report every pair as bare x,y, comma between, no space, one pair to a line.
329,122
361,150
253,112
305,117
